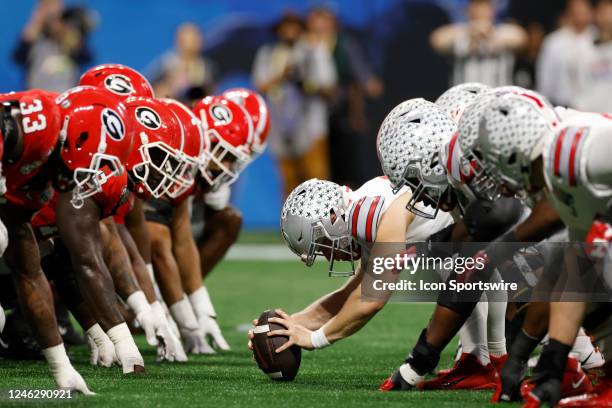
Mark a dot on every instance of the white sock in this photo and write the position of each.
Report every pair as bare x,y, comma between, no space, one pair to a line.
57,359
496,328
473,334
200,301
183,315
409,375
137,301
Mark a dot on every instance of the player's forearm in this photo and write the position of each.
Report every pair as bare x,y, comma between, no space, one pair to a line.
352,317
118,262
188,258
138,265
541,223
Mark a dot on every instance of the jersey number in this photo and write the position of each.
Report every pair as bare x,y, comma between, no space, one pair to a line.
32,124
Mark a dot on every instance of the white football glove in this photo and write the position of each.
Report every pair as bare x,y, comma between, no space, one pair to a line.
169,347
70,379
102,349
64,374
194,342
127,353
145,317
211,328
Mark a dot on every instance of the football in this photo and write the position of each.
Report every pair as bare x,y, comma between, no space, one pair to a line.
281,366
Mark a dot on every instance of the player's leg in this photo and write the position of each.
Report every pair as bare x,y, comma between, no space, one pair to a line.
36,299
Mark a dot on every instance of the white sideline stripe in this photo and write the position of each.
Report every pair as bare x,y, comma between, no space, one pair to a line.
261,252
264,328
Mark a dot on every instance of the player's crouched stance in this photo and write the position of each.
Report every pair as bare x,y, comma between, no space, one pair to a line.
323,218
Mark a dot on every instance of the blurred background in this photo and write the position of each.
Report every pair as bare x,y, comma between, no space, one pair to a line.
329,70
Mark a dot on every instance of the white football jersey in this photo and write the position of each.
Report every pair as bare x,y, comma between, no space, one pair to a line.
578,169
368,203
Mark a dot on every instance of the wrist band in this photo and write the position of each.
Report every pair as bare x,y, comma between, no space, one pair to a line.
318,339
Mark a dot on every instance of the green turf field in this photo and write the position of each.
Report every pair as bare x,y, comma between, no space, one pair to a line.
347,374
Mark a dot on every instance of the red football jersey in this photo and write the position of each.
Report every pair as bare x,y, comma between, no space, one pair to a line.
114,196
28,185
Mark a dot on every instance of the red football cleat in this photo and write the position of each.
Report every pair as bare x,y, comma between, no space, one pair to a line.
575,382
600,397
498,362
467,374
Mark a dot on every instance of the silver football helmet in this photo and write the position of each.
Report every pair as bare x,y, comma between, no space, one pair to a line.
314,222
408,146
456,99
511,136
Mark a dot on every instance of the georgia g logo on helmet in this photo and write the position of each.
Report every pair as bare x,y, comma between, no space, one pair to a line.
148,118
119,84
113,125
221,114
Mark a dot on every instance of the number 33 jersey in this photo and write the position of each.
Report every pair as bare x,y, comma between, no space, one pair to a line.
28,182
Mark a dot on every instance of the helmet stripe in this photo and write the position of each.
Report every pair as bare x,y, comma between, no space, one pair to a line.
573,171
558,146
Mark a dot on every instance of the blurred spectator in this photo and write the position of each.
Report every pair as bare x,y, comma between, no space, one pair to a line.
184,73
482,50
296,74
525,64
598,84
53,46
348,122
561,68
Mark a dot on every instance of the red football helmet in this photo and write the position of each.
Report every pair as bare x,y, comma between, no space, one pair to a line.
120,80
194,144
230,132
156,163
256,107
96,138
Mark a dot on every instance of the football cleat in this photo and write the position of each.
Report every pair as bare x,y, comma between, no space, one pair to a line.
498,362
600,397
402,379
575,382
467,374
508,387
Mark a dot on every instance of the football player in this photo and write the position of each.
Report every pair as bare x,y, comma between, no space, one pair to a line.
571,166
74,145
320,218
228,129
222,222
448,315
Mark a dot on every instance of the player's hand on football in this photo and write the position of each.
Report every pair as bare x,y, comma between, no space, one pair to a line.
211,328
251,335
298,334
